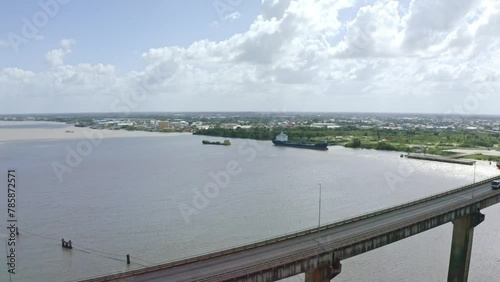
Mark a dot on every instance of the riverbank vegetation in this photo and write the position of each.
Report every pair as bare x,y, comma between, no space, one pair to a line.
429,141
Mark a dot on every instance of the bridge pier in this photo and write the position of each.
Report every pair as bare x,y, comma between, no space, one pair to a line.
325,273
461,246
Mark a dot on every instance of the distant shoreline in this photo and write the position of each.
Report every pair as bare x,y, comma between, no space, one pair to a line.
357,139
67,132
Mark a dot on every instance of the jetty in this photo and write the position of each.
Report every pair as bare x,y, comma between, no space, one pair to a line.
440,159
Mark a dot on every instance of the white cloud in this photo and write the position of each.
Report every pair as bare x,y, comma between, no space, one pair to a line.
67,43
299,55
56,57
374,32
430,21
4,43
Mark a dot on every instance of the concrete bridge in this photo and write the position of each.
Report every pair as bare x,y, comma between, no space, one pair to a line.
319,255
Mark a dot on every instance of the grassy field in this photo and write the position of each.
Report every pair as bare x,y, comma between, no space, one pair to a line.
483,157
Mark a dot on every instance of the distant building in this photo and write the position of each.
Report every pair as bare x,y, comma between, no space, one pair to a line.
179,124
197,124
163,125
324,124
126,124
230,125
472,128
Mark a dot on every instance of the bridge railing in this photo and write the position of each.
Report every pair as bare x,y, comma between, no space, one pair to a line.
288,236
343,243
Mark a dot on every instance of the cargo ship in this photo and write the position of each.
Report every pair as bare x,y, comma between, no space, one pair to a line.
282,140
226,142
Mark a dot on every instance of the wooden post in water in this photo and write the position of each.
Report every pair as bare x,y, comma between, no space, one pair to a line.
128,259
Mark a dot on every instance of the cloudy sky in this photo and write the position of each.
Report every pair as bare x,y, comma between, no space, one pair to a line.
420,56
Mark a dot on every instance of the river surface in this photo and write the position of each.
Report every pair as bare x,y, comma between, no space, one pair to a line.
164,198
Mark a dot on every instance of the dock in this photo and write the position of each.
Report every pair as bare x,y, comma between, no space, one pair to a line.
459,156
440,159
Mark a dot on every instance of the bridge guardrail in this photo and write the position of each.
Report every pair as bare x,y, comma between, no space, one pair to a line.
282,237
343,243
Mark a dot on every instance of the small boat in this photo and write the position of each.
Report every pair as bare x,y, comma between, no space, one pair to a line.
226,142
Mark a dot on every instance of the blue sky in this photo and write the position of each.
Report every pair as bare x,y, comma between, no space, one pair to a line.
419,56
117,32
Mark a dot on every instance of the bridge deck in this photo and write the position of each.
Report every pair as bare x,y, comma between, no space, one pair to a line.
248,259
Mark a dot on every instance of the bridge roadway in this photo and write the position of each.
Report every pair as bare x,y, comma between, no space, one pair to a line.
210,269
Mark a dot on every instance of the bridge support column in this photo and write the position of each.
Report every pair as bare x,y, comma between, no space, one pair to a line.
323,274
461,246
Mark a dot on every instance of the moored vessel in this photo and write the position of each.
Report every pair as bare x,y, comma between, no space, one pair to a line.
282,140
206,142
